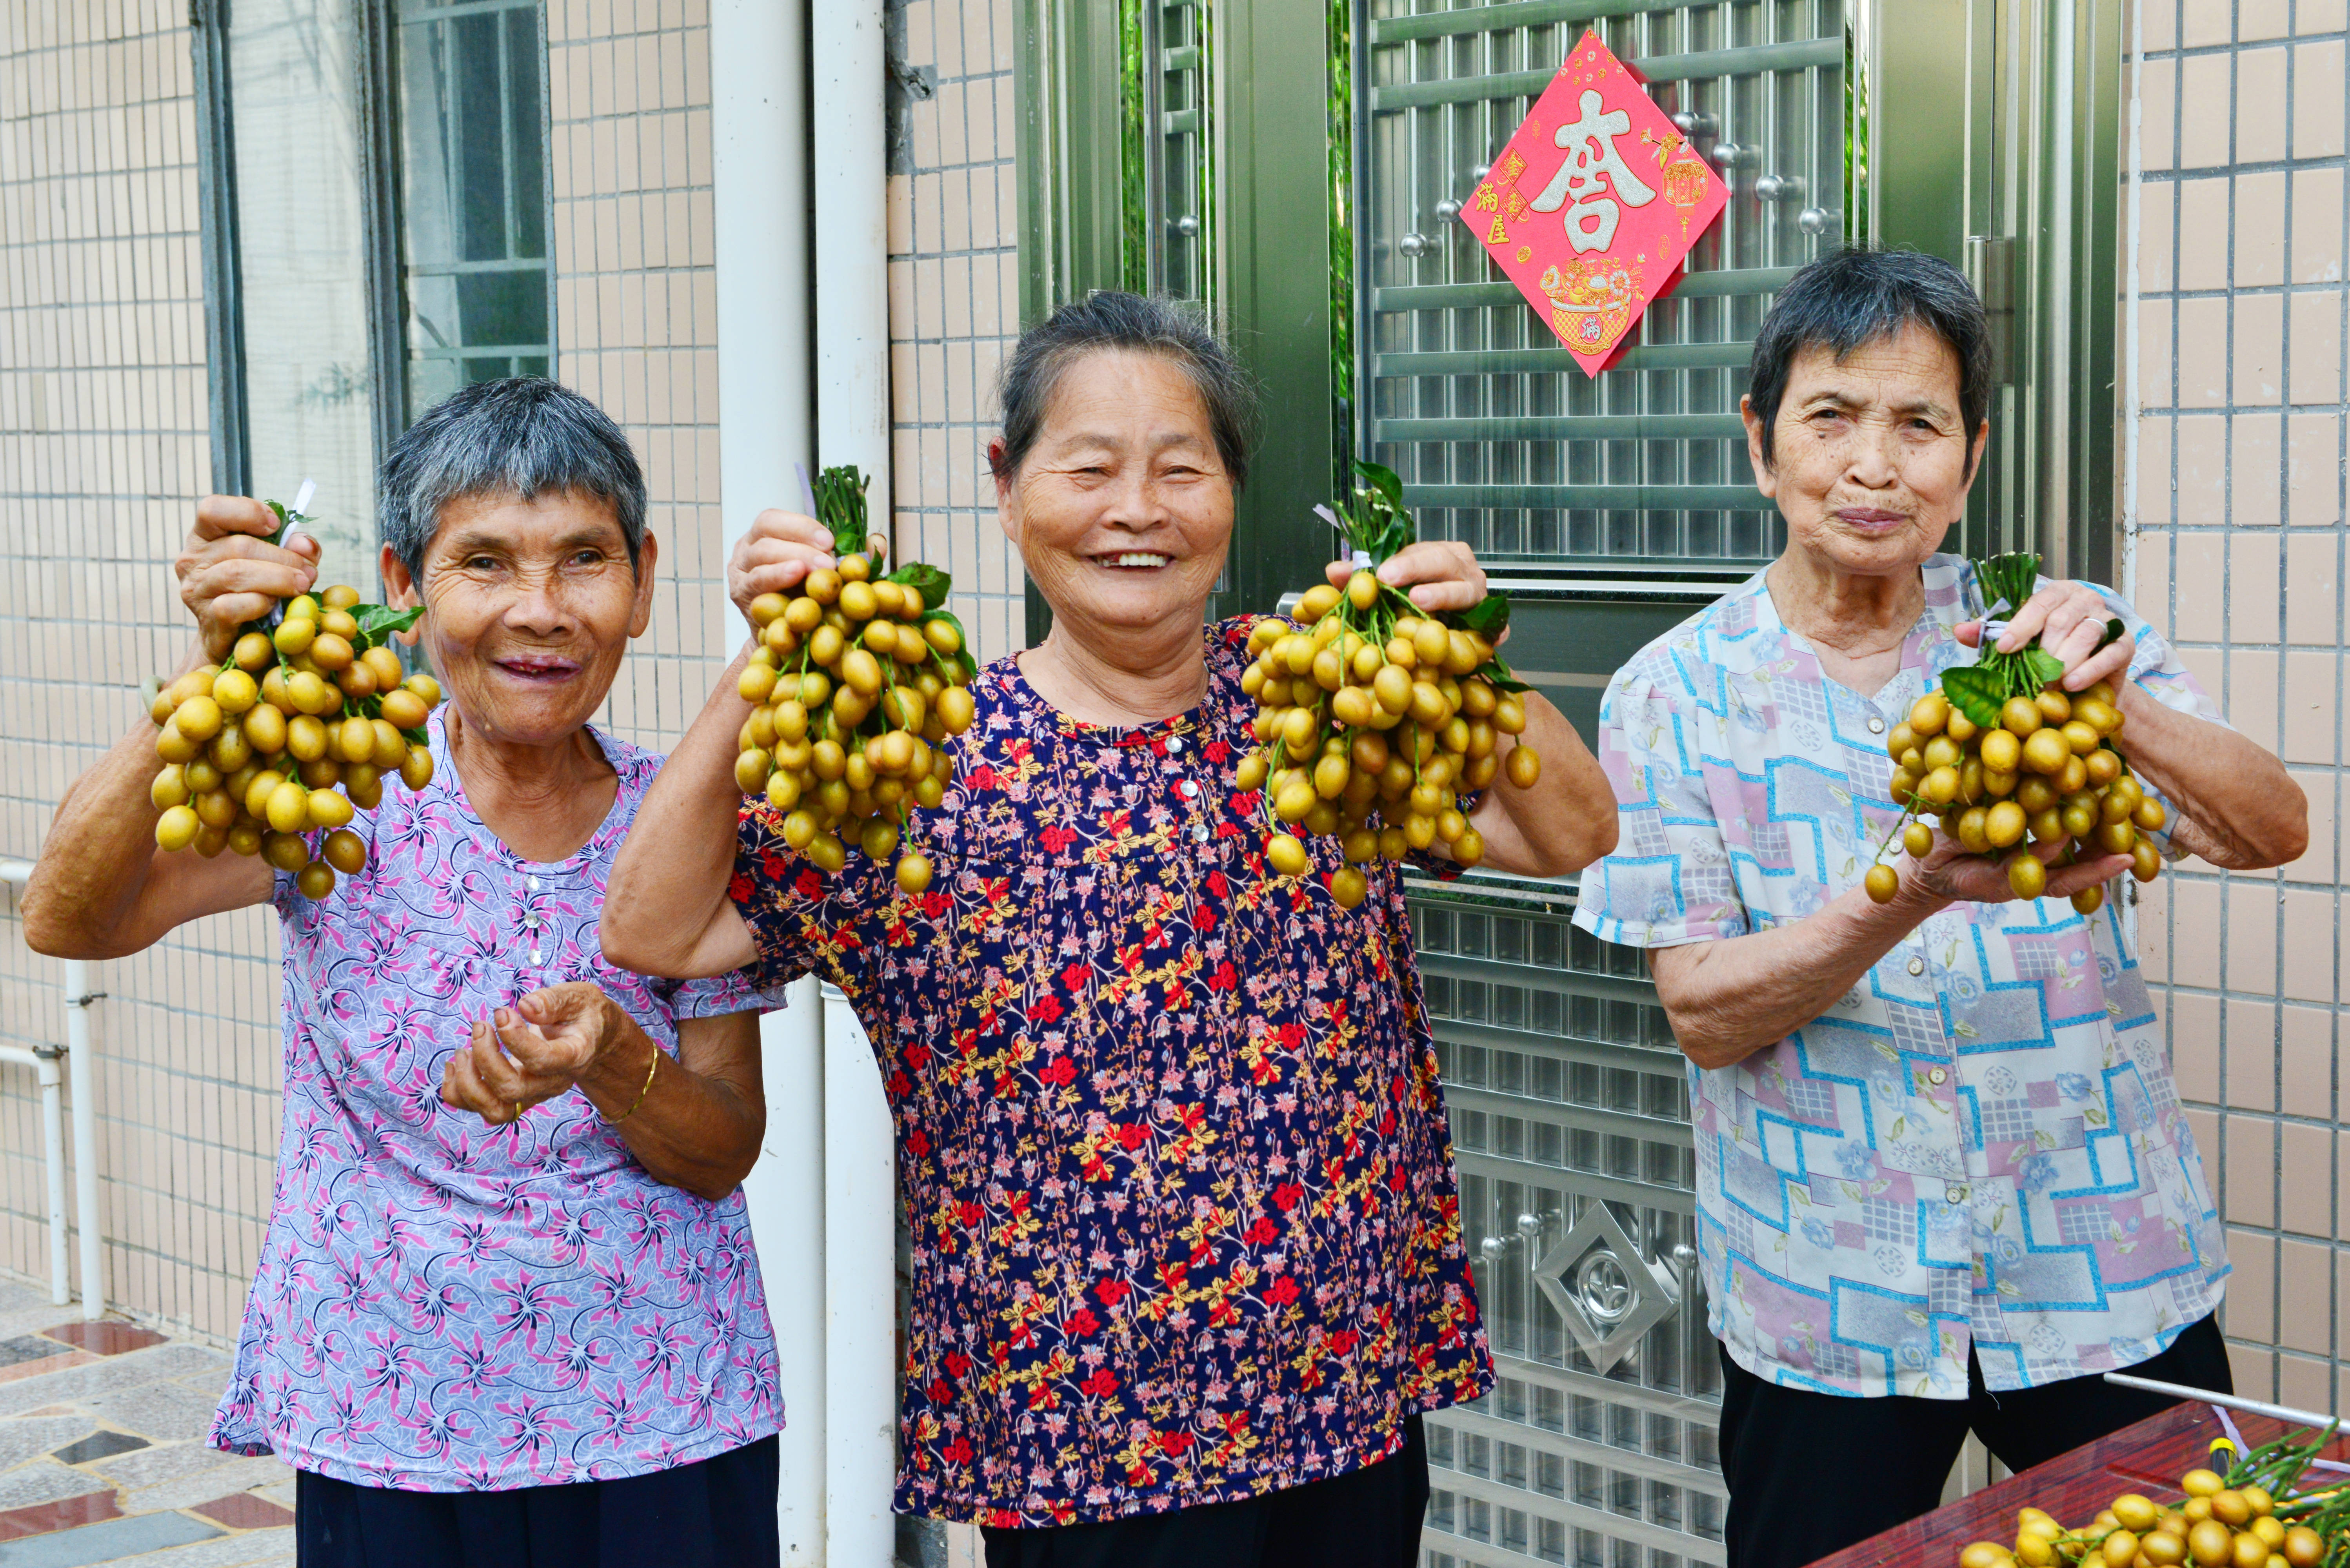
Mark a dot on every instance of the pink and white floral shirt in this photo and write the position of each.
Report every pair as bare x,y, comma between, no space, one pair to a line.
441,1306
1977,1147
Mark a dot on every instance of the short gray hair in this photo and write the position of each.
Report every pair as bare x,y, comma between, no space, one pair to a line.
1109,321
1860,294
523,436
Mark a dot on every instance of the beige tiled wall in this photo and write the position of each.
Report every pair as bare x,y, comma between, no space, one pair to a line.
954,290
103,449
637,311
2240,558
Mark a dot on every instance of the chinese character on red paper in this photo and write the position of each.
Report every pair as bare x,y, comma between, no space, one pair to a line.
1571,211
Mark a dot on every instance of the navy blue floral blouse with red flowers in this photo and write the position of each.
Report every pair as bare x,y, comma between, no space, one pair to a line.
1170,1135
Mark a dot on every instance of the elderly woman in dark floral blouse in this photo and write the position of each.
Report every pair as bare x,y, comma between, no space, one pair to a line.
1188,1256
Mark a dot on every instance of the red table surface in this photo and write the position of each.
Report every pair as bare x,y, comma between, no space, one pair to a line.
2149,1458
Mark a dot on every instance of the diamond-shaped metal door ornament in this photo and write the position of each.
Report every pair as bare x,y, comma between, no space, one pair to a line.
1608,1292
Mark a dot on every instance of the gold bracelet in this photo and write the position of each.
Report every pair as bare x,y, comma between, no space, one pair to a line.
651,1067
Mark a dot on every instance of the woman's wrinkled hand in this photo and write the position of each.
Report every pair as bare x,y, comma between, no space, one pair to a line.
778,553
1949,871
1440,575
530,1052
2068,618
229,572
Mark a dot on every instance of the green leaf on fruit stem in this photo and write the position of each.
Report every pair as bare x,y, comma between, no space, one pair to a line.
1489,617
417,737
1383,480
2113,629
1496,670
2044,666
380,621
1977,690
925,579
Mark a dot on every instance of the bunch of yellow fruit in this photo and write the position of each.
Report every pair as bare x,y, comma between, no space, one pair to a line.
290,735
2047,770
2215,1526
1373,719
855,685
2002,753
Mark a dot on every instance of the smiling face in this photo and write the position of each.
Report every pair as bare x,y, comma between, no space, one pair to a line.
1122,511
530,606
1872,460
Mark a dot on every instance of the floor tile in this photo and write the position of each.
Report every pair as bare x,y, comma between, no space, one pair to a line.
27,1435
25,1348
167,1412
99,1446
105,1377
261,1549
65,1513
243,1510
234,1475
163,1462
105,1336
43,1480
116,1538
64,1358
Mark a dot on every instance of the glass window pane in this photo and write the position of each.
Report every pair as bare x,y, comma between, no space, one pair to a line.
310,399
473,105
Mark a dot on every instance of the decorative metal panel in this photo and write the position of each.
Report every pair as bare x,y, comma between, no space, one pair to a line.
1502,441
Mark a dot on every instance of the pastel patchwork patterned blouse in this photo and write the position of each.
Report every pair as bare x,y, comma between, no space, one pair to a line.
445,1306
1979,1146
1169,1136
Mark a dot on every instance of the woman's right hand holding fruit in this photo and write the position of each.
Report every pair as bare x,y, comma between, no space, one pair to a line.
231,574
1950,873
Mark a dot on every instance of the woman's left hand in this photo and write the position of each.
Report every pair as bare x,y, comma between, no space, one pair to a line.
532,1052
1440,575
2068,618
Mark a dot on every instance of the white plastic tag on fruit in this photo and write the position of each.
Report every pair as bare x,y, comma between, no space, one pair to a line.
301,506
1992,630
1362,560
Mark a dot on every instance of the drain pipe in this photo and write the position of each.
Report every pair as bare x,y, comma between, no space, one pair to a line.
852,401
42,1060
759,180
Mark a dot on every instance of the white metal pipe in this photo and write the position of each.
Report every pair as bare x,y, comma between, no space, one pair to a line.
53,1141
81,1062
53,1156
849,143
2205,1396
759,163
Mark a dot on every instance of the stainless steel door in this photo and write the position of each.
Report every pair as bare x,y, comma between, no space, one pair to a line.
1611,508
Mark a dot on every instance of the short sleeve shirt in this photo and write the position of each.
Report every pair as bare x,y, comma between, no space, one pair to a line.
443,1305
1980,1146
1171,1140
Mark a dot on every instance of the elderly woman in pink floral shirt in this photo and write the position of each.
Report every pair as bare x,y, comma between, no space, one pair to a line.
507,1309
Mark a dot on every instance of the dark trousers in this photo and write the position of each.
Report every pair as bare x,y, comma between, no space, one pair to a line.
1367,1518
1811,1473
720,1513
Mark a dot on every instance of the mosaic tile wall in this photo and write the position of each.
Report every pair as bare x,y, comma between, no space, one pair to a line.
2240,343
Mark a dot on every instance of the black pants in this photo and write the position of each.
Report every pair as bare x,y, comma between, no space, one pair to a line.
1367,1518
1811,1473
720,1513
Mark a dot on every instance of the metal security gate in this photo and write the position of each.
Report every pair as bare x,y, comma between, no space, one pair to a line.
1611,508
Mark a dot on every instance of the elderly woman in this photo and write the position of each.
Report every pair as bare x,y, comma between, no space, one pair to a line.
1943,1178
507,1310
1187,1251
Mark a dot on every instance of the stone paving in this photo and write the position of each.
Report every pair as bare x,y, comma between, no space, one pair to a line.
102,1458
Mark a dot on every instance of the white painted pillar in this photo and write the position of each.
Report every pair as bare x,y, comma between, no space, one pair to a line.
852,354
759,164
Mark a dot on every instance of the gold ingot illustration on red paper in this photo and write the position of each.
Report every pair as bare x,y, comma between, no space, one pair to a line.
1593,205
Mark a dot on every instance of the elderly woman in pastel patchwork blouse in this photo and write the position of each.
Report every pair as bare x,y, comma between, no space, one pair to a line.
1943,1178
1188,1261
507,1309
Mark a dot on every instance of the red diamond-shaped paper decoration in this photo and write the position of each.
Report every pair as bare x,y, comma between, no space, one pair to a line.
1593,204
